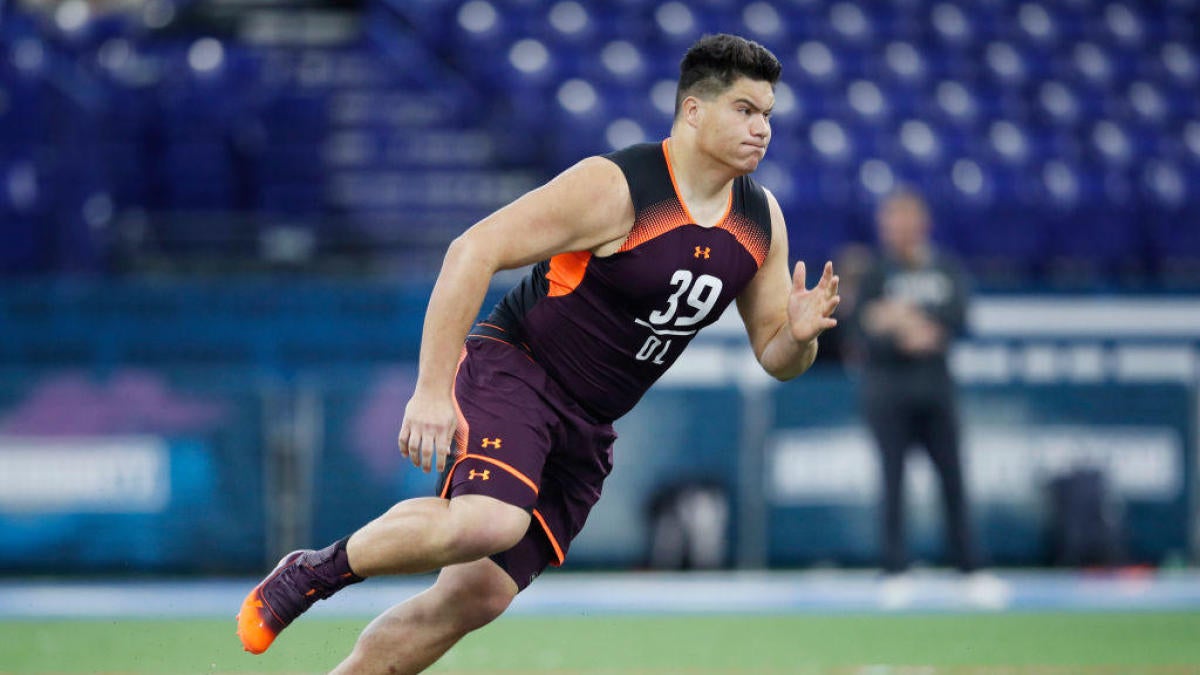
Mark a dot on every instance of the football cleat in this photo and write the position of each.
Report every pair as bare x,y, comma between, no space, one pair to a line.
296,583
269,608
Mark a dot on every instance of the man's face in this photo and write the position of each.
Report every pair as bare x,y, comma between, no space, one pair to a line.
735,126
903,225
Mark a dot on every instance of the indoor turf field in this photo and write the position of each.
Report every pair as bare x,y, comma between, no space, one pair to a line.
1050,623
1042,642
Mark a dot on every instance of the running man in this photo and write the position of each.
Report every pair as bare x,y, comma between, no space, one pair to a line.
635,252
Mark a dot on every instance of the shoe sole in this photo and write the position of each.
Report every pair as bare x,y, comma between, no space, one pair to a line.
252,628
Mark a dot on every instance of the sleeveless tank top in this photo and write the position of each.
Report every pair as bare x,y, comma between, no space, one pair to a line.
606,328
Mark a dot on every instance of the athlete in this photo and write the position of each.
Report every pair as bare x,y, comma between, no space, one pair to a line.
635,252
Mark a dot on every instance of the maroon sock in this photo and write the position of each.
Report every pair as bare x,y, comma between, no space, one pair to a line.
332,566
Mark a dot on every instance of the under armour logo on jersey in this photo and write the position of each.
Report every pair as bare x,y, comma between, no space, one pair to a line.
486,474
702,252
490,443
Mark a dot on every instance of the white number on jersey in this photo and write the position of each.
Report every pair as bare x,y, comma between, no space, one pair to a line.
702,293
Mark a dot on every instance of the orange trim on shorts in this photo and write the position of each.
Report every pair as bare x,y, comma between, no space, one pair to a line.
524,350
481,336
503,465
463,431
450,477
566,272
558,552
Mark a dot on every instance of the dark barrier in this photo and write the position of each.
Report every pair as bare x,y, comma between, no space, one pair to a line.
1020,441
217,472
135,471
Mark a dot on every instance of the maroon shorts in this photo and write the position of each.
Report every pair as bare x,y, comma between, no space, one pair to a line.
521,439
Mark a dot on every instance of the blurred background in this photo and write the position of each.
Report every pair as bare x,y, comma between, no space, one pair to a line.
220,221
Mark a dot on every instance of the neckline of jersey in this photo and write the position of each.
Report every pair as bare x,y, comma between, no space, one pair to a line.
679,195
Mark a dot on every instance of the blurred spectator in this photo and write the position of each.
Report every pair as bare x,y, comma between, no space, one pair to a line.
910,306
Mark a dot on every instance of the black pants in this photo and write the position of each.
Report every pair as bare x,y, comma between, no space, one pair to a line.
899,420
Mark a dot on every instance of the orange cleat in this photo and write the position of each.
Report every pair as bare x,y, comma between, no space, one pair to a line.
298,581
265,611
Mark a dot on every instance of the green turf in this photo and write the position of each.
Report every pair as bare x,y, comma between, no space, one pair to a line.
950,643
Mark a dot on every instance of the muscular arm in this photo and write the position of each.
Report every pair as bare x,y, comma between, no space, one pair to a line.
583,208
782,317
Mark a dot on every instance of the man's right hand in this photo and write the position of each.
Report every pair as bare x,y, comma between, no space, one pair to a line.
427,432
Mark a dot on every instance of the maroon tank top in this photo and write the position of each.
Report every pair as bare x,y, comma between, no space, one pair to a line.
606,328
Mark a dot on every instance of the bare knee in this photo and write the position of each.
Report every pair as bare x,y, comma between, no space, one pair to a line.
409,637
481,526
473,598
464,598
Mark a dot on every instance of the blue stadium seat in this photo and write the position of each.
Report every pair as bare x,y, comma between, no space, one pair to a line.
675,24
565,22
1109,143
954,102
764,23
867,101
619,64
529,63
918,142
1058,103
1082,115
1090,231
1039,23
953,25
640,105
830,144
1006,63
817,63
1168,186
850,23
479,28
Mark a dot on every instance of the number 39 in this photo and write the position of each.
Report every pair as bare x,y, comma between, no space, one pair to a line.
702,297
702,294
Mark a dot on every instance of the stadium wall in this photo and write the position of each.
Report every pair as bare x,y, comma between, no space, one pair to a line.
189,429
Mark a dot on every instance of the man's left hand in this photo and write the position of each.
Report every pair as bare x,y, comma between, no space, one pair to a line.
810,311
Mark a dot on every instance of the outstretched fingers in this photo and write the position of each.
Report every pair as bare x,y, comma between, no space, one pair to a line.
798,275
828,285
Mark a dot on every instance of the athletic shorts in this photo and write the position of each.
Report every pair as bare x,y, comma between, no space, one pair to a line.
523,440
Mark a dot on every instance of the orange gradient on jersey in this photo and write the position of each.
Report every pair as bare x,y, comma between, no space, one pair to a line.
655,221
749,235
566,272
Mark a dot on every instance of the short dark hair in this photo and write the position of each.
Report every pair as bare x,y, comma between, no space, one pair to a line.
715,62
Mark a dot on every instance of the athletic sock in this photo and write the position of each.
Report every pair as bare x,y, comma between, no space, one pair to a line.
331,566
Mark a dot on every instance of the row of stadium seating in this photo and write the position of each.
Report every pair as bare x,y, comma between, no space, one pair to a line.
1058,140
